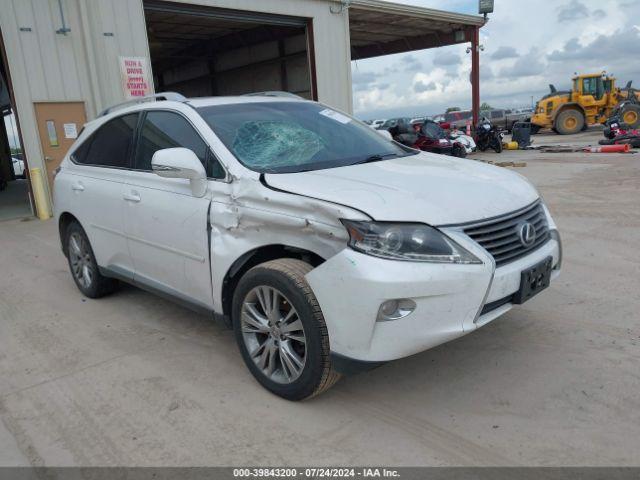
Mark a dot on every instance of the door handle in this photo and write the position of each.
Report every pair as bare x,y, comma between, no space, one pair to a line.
78,187
132,197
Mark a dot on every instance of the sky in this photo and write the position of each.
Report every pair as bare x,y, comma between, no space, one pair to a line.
527,45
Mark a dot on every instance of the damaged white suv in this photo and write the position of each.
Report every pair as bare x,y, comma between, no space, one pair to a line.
327,247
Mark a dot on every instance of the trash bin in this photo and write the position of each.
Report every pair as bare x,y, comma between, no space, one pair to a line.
521,133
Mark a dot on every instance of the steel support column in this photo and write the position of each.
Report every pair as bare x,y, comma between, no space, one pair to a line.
475,74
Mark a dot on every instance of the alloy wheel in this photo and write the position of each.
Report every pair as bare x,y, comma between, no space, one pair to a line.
273,334
81,261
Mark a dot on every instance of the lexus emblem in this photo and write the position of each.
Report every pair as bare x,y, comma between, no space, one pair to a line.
527,233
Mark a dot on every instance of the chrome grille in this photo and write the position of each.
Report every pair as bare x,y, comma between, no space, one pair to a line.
501,238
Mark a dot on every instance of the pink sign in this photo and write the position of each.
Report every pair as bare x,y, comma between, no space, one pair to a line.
135,77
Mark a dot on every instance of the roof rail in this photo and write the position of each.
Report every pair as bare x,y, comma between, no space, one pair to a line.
273,93
168,96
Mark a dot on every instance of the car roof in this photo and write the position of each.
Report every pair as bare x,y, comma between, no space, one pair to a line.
210,101
196,102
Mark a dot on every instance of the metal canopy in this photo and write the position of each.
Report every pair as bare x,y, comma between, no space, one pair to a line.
382,28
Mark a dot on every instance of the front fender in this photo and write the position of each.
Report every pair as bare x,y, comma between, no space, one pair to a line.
246,215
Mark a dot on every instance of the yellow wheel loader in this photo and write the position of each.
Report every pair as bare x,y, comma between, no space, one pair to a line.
592,99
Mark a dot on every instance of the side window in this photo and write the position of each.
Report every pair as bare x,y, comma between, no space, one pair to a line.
110,145
168,130
80,153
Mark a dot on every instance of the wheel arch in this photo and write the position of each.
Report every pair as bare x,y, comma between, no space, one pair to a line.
254,257
64,221
568,106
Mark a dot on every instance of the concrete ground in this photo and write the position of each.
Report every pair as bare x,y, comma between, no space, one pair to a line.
135,380
14,200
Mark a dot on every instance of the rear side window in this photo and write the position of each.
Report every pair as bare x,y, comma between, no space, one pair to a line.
168,130
110,145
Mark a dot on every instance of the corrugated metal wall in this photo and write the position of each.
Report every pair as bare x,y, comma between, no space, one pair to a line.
80,66
43,66
83,65
331,41
245,69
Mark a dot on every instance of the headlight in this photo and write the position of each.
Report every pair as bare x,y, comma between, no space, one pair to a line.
406,241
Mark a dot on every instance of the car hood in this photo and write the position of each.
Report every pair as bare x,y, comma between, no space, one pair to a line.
430,188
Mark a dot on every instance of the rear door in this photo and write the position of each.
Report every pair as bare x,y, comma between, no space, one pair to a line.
166,226
96,183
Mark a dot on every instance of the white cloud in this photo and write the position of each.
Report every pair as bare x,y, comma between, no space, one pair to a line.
525,66
447,59
504,52
572,11
526,48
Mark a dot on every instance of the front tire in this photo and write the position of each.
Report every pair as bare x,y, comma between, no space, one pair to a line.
281,331
569,122
83,265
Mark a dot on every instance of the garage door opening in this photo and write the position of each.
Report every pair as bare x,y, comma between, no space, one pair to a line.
201,51
14,185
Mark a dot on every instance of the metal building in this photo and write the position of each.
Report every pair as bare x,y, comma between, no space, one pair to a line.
63,61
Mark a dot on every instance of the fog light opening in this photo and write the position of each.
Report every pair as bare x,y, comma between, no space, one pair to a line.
395,309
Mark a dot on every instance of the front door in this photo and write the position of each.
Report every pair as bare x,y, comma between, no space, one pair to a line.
59,124
166,226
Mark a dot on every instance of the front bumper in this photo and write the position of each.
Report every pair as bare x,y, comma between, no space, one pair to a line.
542,120
449,298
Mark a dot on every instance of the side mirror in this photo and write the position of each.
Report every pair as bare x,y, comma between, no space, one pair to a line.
385,134
181,163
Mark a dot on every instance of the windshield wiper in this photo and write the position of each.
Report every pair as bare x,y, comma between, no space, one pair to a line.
376,158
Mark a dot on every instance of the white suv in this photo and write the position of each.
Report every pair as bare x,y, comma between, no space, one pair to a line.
327,247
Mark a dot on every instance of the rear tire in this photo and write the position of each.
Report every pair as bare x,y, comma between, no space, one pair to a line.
569,121
280,330
83,266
